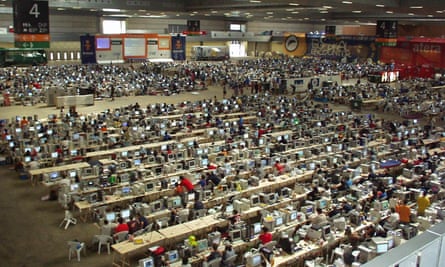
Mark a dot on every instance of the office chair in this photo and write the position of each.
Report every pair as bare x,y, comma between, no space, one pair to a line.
230,261
75,247
103,240
121,236
213,263
139,232
270,245
69,219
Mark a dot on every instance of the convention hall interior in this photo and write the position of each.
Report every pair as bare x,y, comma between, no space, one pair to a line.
222,133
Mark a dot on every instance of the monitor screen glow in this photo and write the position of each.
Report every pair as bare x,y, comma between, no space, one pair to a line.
110,216
125,213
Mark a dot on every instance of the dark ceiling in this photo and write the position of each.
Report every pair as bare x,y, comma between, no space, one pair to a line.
285,11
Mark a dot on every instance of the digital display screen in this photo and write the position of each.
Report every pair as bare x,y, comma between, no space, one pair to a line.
103,43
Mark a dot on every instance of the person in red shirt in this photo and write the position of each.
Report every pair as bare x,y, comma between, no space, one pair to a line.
265,236
121,226
279,167
186,183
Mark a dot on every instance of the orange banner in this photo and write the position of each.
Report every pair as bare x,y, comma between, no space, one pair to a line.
31,37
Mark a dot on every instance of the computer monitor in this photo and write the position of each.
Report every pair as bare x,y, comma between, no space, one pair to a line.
308,210
191,164
147,262
88,171
384,205
255,229
124,154
151,159
93,197
125,213
54,175
326,231
73,153
54,155
174,202
279,221
293,215
74,187
156,205
254,260
204,162
126,190
254,200
28,159
137,162
191,197
72,174
285,192
173,256
235,235
110,216
179,155
322,203
149,187
381,247
340,224
203,245
391,241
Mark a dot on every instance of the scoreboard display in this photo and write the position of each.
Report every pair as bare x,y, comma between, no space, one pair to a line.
31,17
386,29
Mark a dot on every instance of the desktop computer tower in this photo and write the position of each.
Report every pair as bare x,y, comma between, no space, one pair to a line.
409,231
287,244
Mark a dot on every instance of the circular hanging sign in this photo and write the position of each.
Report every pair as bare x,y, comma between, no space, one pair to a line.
291,43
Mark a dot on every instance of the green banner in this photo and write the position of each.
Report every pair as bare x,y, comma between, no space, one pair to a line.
31,44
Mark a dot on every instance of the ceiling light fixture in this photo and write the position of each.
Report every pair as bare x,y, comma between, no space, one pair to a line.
347,2
110,10
357,11
380,5
416,7
389,12
294,4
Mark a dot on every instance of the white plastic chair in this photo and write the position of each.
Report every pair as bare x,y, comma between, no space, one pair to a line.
103,240
121,236
75,247
69,219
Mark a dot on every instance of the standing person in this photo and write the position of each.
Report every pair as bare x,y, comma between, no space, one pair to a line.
186,183
404,211
112,92
423,202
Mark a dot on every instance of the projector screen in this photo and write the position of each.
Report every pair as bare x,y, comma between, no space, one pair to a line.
134,47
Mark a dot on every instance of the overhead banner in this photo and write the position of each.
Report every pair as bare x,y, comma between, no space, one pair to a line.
87,49
346,47
178,47
31,23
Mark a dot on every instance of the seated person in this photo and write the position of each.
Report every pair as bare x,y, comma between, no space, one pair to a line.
143,222
107,228
121,226
235,217
228,252
319,219
133,225
214,253
198,205
265,236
